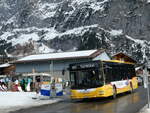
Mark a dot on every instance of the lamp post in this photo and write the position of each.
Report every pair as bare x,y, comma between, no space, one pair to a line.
146,82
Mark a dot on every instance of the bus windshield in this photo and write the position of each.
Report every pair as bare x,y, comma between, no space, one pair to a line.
83,78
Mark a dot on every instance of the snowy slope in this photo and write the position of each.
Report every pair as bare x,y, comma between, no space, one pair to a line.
43,26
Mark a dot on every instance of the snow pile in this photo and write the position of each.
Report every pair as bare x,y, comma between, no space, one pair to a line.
10,101
49,34
81,1
4,4
46,10
143,44
22,39
26,38
5,36
148,1
44,49
137,40
94,4
116,32
11,20
79,30
98,5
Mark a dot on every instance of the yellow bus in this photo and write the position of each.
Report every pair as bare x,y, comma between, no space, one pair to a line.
95,79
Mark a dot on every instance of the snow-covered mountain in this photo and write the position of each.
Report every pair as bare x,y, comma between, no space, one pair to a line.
42,26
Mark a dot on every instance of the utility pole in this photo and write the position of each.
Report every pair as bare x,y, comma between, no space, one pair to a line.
146,83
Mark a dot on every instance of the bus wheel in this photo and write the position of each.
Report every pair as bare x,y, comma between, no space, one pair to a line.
131,88
114,92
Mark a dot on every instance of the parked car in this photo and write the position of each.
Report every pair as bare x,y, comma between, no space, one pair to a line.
140,80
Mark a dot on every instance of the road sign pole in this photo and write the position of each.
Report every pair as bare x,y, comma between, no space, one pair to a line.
146,86
148,95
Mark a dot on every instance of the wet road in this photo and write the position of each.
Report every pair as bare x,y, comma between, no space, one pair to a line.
124,103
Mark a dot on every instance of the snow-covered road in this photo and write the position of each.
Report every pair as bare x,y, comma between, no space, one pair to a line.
10,101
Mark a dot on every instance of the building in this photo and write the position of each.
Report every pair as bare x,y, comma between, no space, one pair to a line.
124,58
7,70
56,64
5,59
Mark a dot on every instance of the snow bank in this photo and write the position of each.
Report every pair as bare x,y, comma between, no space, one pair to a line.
94,4
52,33
116,32
136,40
25,38
10,101
148,1
44,49
46,10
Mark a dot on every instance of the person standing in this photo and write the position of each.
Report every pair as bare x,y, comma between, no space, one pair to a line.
53,89
9,85
37,85
22,84
16,85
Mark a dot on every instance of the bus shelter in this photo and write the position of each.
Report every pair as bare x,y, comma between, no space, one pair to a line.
36,78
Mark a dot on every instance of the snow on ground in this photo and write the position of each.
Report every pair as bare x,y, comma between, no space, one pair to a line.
94,4
5,35
25,38
81,1
52,33
44,49
11,20
22,39
141,42
116,32
145,109
49,34
46,10
4,4
10,101
136,40
98,5
148,1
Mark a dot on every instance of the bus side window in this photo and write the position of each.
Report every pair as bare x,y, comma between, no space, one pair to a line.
108,74
115,74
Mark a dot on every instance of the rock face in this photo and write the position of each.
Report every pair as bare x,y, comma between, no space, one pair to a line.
42,26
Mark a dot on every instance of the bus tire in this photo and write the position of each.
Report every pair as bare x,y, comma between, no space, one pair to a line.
114,92
131,88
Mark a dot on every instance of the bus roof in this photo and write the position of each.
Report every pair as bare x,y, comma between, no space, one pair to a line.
98,61
118,61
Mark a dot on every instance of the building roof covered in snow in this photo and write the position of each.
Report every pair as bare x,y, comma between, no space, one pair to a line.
62,56
5,65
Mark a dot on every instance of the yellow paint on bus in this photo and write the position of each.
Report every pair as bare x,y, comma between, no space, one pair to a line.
104,91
